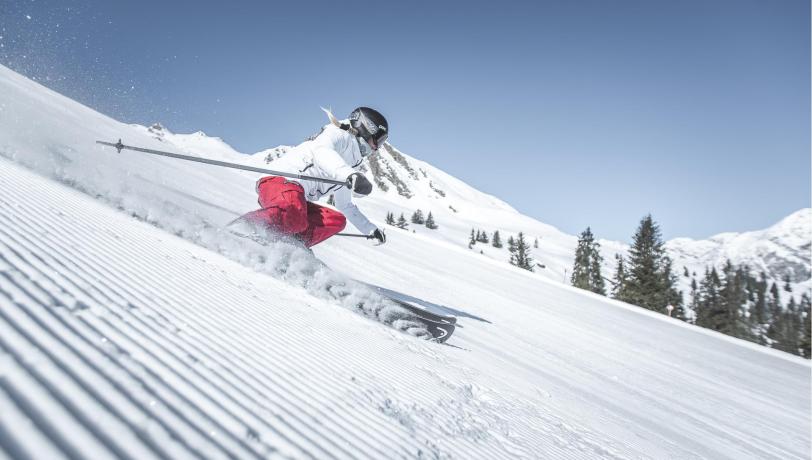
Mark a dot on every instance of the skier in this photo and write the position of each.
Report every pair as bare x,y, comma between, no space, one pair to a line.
287,206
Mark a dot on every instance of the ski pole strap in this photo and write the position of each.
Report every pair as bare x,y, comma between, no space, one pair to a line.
119,146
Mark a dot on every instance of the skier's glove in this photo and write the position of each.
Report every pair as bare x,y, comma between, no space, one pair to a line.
359,184
379,235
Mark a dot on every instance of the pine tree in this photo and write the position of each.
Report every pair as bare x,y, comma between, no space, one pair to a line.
402,222
536,243
521,254
732,297
390,218
685,272
586,271
417,217
786,330
485,238
598,284
580,268
619,285
669,293
472,240
694,305
806,317
496,241
795,326
760,314
710,313
774,303
759,318
511,245
787,285
478,237
649,282
430,224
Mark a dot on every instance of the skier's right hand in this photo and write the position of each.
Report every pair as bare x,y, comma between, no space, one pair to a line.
379,235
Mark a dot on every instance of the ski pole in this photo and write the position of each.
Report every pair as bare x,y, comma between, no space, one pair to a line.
119,146
356,235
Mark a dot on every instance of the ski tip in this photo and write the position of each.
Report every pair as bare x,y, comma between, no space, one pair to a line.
441,333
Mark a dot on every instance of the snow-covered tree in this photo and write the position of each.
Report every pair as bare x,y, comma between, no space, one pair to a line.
390,218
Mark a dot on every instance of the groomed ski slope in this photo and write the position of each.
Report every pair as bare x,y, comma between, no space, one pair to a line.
120,339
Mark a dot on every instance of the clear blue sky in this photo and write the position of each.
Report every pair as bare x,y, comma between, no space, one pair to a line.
576,112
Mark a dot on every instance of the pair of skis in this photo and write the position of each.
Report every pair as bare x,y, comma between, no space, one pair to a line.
440,326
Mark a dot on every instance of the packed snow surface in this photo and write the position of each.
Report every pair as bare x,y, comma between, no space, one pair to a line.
132,326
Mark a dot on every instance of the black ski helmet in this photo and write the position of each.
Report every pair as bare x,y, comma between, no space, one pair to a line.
370,126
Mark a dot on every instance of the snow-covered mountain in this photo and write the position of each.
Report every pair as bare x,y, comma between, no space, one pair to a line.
131,326
785,249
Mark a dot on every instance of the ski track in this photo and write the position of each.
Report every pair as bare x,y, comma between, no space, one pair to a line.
145,361
119,340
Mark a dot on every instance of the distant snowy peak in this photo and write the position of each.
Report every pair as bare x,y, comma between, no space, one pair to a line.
197,143
782,249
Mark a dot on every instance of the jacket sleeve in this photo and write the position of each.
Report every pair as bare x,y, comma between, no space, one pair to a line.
331,165
343,200
329,162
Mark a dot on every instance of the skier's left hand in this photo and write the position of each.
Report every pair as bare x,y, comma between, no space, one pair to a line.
359,184
379,235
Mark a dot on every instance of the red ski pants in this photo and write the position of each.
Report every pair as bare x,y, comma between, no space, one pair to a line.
286,211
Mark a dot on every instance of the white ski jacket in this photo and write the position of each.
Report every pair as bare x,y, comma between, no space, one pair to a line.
333,154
